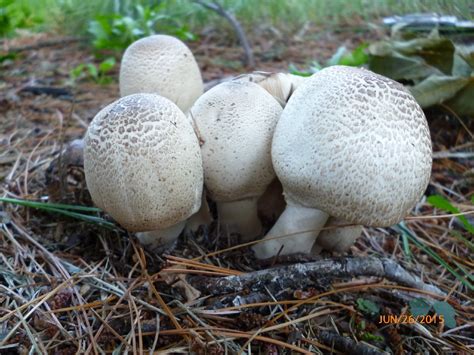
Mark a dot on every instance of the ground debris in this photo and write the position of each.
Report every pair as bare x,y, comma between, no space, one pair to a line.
71,287
317,274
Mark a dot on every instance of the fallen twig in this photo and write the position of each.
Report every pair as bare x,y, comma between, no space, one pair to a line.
42,44
216,7
346,344
317,273
47,90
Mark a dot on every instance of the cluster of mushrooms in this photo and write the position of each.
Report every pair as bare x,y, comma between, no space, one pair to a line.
348,146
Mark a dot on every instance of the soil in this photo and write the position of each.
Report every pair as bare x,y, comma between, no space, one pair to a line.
35,128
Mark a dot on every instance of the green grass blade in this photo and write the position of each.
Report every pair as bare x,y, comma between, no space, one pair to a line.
83,217
64,210
36,204
402,226
443,204
406,245
458,236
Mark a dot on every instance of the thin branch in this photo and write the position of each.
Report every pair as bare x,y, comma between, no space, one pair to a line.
318,273
346,344
41,44
216,7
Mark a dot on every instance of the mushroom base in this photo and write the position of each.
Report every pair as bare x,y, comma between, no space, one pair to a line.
161,239
201,217
301,224
240,217
337,239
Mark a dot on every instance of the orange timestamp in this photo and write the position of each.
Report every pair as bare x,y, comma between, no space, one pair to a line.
411,319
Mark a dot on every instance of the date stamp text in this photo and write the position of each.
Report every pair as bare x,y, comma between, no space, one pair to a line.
411,319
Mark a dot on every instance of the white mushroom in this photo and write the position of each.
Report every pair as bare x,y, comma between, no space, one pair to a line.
235,122
163,65
350,144
340,237
280,85
143,166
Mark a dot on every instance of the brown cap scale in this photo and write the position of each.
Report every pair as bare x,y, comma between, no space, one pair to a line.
235,122
163,65
143,163
351,144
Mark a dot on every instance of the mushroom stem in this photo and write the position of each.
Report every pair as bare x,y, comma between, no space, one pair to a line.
201,217
337,239
240,217
301,224
161,238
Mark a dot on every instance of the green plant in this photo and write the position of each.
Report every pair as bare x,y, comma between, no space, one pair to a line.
459,273
14,14
443,204
367,307
420,307
364,334
435,69
72,211
97,73
342,56
116,31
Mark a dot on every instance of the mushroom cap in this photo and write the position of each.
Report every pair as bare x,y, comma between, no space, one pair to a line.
280,85
355,145
163,65
143,163
235,122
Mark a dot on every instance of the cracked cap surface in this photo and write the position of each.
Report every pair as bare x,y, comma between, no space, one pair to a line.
163,65
143,163
355,145
236,121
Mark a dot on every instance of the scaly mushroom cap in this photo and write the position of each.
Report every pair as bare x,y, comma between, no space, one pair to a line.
355,145
163,65
143,163
235,122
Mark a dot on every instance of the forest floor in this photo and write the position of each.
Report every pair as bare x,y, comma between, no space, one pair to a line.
67,286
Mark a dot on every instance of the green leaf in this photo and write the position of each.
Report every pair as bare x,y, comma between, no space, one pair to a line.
292,69
419,307
447,311
367,306
436,89
400,67
463,104
466,52
76,72
357,58
92,71
372,337
434,51
106,65
441,203
460,66
8,56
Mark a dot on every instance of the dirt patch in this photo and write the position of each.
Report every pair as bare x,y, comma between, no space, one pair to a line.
96,289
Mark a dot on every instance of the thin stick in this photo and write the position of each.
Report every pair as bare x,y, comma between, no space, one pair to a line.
216,7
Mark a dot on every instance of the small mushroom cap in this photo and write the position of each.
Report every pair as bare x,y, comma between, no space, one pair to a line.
163,65
355,145
280,85
235,122
143,163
